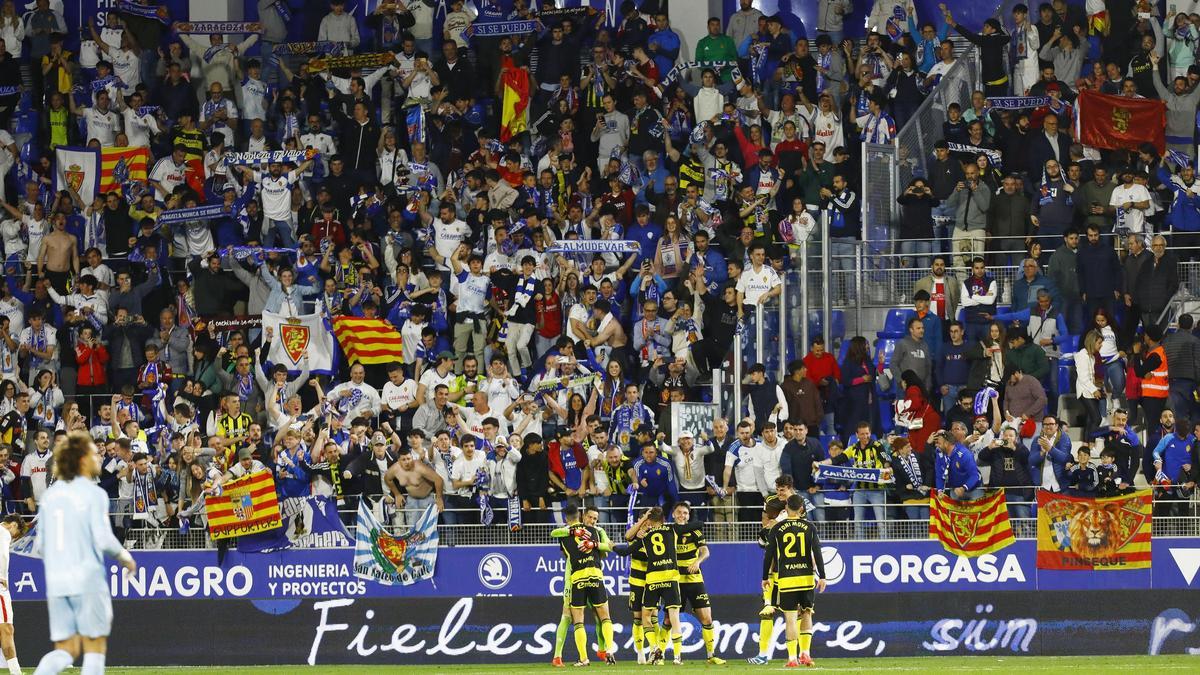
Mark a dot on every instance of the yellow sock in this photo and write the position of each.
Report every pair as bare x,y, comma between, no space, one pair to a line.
805,642
639,639
765,627
664,637
652,638
581,642
606,630
766,596
791,649
707,632
677,644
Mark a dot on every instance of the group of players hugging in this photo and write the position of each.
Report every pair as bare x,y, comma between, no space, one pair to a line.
665,575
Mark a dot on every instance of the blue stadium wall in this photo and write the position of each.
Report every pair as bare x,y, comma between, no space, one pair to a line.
495,605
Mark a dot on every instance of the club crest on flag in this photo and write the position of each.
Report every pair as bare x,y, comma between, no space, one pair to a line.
392,560
963,525
295,336
120,171
390,552
74,174
1093,530
243,507
1120,119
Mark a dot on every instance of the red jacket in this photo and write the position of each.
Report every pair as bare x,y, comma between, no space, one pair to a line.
92,363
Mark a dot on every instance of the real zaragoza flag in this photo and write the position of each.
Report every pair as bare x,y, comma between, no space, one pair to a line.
1080,533
294,337
368,340
395,560
514,106
246,505
970,528
79,170
122,165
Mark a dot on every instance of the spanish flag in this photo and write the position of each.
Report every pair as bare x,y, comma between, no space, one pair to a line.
246,505
122,165
514,107
1081,533
970,528
368,340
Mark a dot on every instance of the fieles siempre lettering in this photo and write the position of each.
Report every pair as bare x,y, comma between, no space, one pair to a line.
948,635
458,635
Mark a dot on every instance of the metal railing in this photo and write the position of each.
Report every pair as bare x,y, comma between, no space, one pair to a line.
835,523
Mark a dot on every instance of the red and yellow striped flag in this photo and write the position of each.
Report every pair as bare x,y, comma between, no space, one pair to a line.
247,505
1081,533
121,165
970,528
368,340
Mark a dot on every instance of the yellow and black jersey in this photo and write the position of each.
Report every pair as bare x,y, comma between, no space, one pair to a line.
230,427
687,551
658,544
637,569
581,546
793,555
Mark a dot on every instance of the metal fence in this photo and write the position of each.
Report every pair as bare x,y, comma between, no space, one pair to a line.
831,525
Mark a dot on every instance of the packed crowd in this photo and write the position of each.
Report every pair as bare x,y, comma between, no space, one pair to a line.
534,371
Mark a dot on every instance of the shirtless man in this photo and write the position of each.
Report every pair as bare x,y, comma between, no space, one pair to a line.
59,255
609,337
418,480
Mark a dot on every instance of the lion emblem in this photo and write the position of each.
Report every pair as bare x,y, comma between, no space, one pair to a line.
1095,531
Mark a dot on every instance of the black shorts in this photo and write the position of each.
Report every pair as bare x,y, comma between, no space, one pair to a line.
635,600
694,595
803,601
588,592
665,592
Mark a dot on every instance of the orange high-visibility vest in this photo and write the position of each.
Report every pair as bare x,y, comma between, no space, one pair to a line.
1155,384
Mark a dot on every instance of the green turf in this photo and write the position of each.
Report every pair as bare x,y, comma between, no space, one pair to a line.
1028,665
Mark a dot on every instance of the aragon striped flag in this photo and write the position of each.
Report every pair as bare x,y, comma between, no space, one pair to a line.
246,505
514,103
122,165
368,340
970,528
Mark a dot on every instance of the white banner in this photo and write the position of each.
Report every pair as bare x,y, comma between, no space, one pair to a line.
79,170
292,338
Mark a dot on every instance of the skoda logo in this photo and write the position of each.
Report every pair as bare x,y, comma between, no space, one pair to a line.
495,571
835,567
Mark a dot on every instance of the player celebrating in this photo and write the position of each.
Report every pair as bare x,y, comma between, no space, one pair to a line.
691,550
582,547
637,584
793,556
662,582
11,529
773,511
590,517
74,536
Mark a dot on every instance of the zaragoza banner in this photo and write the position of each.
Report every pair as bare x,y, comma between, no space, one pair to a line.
1079,533
970,528
395,560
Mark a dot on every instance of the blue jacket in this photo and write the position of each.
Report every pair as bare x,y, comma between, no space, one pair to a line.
1173,452
659,477
1024,292
716,270
958,469
297,293
1184,212
1060,455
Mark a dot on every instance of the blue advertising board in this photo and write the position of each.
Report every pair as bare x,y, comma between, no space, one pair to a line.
536,571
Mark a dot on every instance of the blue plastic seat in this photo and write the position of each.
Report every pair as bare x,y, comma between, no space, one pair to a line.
837,322
894,324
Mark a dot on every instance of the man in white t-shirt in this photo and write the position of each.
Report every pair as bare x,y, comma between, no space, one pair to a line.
448,233
323,143
169,172
759,282
1132,202
470,287
102,123
275,188
399,397
139,126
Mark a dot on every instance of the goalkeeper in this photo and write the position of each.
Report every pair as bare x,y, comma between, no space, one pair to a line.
583,545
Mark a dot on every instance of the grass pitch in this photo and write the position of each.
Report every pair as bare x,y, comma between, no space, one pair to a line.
1028,665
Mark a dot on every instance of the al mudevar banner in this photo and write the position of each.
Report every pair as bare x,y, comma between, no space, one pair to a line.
1080,533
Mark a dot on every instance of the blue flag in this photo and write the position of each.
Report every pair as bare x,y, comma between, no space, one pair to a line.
416,124
395,560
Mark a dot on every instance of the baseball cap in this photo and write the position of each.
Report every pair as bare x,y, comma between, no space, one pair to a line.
685,434
379,439
245,453
445,355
